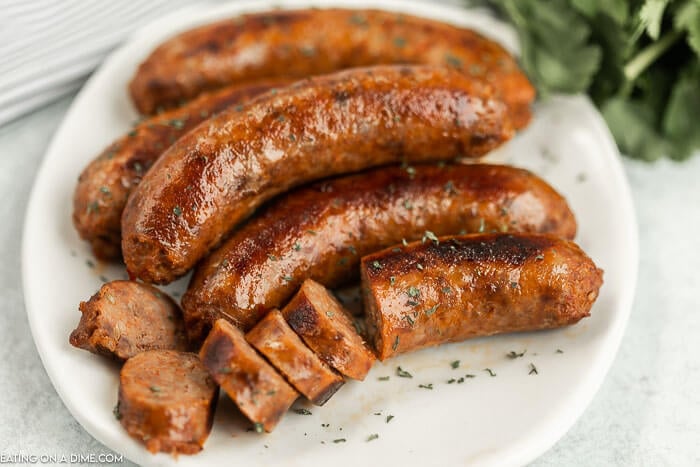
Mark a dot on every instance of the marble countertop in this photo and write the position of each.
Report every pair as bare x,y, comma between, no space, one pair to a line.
646,413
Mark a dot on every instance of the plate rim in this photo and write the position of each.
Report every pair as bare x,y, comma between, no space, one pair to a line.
524,454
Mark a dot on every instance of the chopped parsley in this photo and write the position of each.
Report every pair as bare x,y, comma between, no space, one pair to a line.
559,351
426,386
302,411
455,364
400,372
413,292
258,427
432,309
339,440
372,437
376,265
154,389
395,345
389,418
177,210
533,369
428,235
513,354
383,378
490,372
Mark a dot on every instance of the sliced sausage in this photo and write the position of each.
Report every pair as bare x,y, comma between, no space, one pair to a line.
321,231
261,394
316,316
124,318
167,400
429,293
217,174
104,185
273,338
310,42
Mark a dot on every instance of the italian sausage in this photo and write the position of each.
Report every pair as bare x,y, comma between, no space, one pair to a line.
261,394
124,318
217,174
321,231
167,400
104,185
429,293
276,341
309,42
325,326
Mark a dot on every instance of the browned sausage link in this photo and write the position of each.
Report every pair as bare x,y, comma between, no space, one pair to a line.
124,318
310,42
104,185
321,231
273,338
430,293
167,400
261,394
217,174
329,330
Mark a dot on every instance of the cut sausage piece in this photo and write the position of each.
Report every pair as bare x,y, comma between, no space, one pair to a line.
261,394
315,314
321,231
273,338
216,175
311,42
429,293
167,400
124,318
105,184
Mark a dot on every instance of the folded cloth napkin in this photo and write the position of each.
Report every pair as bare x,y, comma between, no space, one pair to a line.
49,47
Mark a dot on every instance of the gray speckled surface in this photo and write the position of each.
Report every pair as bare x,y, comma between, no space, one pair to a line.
646,413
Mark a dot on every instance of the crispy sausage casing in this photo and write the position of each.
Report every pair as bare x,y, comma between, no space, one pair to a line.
321,231
430,293
104,185
309,42
217,174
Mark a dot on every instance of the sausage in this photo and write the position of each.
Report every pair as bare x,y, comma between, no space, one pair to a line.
310,42
276,341
125,318
321,232
316,316
167,400
429,293
217,174
104,185
261,394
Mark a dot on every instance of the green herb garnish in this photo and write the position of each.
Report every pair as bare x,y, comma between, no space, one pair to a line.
400,372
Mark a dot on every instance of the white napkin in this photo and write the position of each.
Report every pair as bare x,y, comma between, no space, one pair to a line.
49,47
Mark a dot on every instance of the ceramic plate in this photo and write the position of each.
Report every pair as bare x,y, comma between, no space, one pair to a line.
504,415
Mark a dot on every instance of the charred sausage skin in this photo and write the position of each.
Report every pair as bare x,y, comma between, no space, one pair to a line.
217,174
105,184
167,400
284,349
259,391
320,232
308,42
430,293
124,318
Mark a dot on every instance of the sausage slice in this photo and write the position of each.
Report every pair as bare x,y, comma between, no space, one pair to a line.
124,318
455,288
167,400
315,314
273,338
255,387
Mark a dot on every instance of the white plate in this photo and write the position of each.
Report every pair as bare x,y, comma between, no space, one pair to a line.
510,418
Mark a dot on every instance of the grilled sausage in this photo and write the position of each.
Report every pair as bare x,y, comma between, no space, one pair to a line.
328,330
167,400
273,338
426,294
220,172
104,185
309,42
261,394
124,318
321,232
